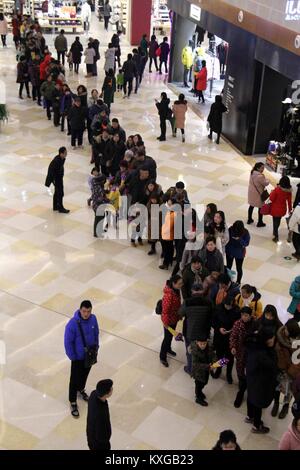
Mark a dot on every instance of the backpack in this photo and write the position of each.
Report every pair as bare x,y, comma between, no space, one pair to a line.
158,308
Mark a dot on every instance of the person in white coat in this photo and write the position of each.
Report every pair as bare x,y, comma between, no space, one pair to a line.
3,29
86,16
89,59
294,226
110,58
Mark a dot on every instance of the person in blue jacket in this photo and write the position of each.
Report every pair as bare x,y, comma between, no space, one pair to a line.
75,350
295,294
239,239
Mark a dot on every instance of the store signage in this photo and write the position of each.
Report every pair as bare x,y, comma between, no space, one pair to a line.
292,10
195,12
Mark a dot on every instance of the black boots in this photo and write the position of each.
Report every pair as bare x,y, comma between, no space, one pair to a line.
284,411
238,399
275,409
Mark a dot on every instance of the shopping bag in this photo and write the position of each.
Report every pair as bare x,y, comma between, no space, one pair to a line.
266,209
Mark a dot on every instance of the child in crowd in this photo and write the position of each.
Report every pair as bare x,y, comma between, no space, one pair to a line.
113,195
134,228
94,174
120,80
202,358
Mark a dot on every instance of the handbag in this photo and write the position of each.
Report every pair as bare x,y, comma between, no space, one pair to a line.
91,352
266,209
264,195
158,52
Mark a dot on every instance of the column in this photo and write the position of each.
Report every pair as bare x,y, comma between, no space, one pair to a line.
140,20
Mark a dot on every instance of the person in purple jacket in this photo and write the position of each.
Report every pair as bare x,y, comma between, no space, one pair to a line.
76,350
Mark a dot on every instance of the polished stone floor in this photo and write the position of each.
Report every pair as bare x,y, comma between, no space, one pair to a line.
49,262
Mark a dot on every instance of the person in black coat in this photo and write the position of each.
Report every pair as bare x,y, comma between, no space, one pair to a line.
102,151
197,313
56,176
215,117
98,428
77,118
261,374
153,46
76,51
227,441
164,54
115,41
130,71
116,151
95,45
226,314
165,113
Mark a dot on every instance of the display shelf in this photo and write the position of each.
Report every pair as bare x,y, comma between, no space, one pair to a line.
75,24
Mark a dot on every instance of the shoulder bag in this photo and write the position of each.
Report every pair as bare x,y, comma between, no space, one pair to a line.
91,352
264,195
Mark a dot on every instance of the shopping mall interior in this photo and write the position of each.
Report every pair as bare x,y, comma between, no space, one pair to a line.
50,261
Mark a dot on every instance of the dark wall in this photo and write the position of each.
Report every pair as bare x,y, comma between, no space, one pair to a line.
182,32
278,59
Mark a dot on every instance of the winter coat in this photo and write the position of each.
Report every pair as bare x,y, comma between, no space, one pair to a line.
239,332
129,69
295,294
284,349
171,302
201,360
106,10
61,43
89,54
119,130
179,111
44,66
74,346
22,72
237,248
163,108
213,261
76,51
98,193
255,304
153,46
55,172
223,318
47,89
108,90
136,188
144,46
281,201
98,429
222,237
164,51
215,117
77,117
110,54
95,45
3,27
66,103
257,184
219,294
294,222
188,278
261,373
201,78
290,439
187,57
197,314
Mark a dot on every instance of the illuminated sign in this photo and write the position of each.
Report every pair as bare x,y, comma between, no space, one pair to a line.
292,10
195,12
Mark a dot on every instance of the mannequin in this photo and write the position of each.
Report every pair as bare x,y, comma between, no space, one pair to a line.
187,61
222,50
86,15
293,139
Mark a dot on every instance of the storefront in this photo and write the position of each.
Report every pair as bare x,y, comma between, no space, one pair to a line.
258,74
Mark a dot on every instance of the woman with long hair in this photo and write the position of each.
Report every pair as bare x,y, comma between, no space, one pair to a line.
257,185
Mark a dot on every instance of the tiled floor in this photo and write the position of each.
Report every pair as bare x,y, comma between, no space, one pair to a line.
49,262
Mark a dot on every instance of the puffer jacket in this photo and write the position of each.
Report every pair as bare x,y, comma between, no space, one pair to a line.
170,305
255,304
197,314
284,349
281,201
74,346
295,294
187,57
47,90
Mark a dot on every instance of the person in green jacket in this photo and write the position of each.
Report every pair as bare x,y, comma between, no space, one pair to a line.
109,88
47,90
294,307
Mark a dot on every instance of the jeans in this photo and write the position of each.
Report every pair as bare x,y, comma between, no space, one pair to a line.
239,266
61,54
58,197
163,61
296,242
21,88
250,214
276,225
129,81
153,59
79,375
166,344
254,413
76,134
168,251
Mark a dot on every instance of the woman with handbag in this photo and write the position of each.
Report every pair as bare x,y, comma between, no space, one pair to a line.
257,193
281,200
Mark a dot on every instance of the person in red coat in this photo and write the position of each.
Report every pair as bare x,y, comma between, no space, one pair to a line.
171,303
281,198
16,30
201,78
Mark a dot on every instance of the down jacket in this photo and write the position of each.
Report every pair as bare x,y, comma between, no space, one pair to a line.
284,349
281,200
73,340
171,302
295,294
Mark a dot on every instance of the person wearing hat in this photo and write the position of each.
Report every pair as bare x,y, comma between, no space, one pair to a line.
197,313
98,429
281,199
285,348
261,374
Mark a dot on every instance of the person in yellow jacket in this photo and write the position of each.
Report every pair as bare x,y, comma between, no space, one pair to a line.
187,61
249,297
113,195
168,233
